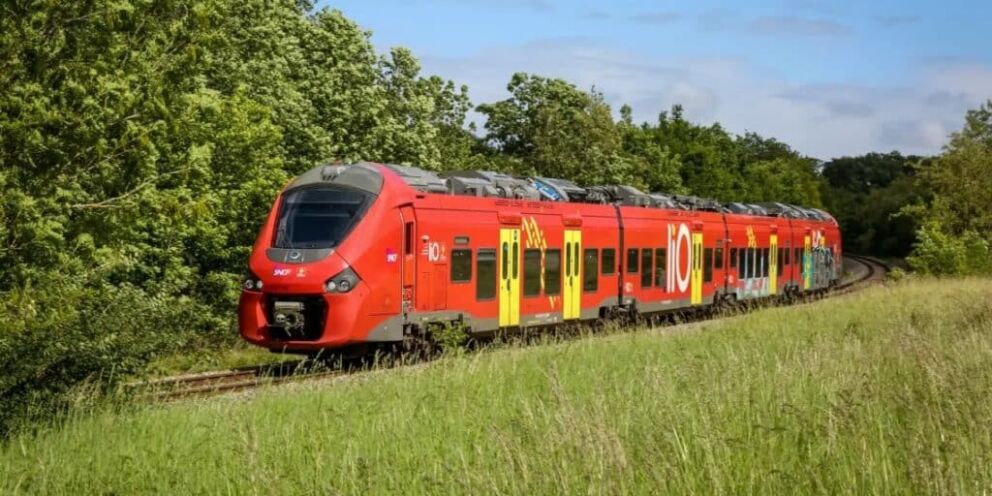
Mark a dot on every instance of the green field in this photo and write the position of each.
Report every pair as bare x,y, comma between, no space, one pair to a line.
884,391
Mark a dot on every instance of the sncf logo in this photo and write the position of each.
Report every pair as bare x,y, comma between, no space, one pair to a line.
280,272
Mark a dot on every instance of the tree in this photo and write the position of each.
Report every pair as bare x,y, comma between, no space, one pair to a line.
866,194
957,220
556,130
142,143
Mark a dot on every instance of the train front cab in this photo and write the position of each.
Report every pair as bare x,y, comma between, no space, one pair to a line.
325,271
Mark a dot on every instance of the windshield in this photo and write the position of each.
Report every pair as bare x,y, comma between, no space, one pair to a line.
318,217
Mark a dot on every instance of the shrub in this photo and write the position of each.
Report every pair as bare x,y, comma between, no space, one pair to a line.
938,252
60,338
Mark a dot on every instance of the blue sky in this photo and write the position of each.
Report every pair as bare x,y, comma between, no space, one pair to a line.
830,78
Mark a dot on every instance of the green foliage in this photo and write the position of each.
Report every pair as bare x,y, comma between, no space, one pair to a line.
141,144
557,130
866,194
60,338
450,337
551,128
957,231
938,252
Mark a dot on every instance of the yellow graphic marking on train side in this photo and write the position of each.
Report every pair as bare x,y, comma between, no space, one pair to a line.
752,240
773,264
696,260
537,239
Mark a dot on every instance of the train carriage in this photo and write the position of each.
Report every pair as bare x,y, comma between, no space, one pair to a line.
371,253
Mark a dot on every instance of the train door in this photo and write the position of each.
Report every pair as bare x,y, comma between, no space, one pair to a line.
773,264
509,277
696,295
407,259
572,298
807,267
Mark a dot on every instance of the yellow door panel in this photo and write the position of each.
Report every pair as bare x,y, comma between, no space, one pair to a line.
807,270
566,301
572,296
696,296
509,277
773,265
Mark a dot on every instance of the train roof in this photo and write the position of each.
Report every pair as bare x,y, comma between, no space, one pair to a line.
501,185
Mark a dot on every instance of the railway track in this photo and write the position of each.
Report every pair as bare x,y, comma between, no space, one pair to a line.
212,383
875,271
221,382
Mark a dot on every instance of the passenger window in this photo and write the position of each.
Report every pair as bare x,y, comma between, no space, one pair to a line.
707,264
718,261
660,264
632,261
590,278
752,260
505,264
461,265
532,272
516,260
733,258
576,269
485,271
764,262
552,272
756,270
647,275
799,256
786,252
609,261
742,263
568,259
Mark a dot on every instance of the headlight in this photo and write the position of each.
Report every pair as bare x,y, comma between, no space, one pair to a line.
252,282
345,281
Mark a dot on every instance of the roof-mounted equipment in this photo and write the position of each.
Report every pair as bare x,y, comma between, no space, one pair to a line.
486,183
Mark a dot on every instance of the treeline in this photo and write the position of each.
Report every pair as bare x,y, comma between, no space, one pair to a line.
141,144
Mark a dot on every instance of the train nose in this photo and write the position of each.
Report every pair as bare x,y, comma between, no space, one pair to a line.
300,304
310,277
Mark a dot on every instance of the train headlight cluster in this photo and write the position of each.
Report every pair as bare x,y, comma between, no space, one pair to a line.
252,283
345,281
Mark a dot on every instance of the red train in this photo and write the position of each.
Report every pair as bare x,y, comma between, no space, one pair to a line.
372,253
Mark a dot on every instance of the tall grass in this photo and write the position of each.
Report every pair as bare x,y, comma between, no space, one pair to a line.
885,391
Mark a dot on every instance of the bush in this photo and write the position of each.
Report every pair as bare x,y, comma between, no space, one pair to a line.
938,252
64,337
450,337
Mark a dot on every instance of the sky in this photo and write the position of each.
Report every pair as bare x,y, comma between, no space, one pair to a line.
830,78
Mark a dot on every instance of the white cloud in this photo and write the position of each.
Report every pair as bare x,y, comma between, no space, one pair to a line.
822,120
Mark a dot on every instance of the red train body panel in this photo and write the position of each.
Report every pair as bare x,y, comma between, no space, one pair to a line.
369,253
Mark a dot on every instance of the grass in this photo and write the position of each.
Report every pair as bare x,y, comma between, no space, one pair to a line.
884,391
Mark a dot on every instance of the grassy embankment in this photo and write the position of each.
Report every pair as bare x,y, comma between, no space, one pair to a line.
886,391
